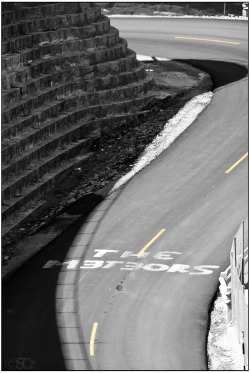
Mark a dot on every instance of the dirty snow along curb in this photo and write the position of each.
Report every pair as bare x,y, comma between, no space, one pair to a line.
143,58
173,128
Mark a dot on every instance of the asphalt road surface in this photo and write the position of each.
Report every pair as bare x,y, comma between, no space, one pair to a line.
181,212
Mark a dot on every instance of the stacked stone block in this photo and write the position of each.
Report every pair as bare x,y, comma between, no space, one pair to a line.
66,77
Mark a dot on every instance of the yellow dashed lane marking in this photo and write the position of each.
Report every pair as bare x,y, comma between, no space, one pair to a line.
236,163
217,41
92,339
150,243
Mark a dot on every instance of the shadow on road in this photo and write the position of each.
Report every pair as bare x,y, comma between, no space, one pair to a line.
222,73
30,339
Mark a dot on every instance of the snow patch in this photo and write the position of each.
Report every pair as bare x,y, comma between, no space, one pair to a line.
224,350
173,128
141,57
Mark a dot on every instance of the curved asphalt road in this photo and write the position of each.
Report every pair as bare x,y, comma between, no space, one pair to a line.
154,317
159,320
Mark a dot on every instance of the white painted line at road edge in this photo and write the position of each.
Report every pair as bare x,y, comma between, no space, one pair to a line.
173,128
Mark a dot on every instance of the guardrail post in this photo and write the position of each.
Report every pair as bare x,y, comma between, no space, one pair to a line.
243,248
242,272
235,253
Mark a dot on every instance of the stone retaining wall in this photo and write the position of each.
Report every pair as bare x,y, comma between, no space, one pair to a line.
66,77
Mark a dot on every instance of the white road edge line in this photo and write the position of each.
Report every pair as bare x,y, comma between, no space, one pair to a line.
173,128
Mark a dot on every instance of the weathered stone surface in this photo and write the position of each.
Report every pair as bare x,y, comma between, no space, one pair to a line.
66,77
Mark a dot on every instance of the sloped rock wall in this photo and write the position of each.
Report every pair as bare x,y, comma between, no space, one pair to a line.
65,72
